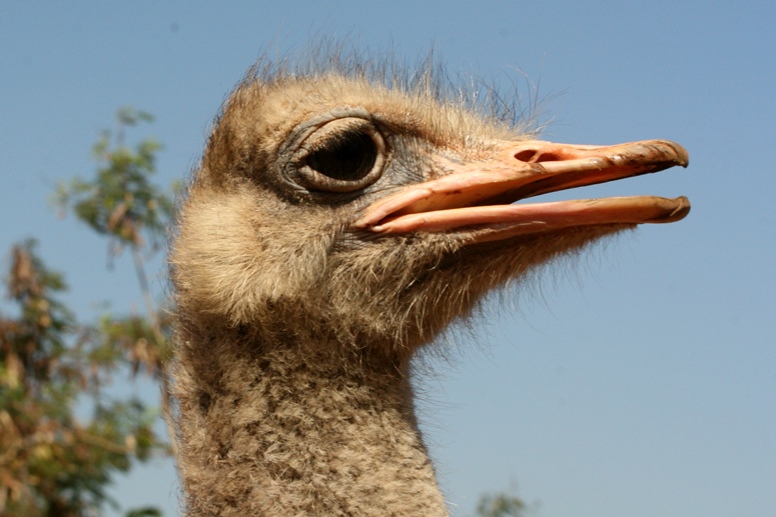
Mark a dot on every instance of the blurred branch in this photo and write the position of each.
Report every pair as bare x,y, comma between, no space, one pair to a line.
121,203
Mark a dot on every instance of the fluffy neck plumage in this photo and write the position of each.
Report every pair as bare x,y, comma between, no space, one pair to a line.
298,429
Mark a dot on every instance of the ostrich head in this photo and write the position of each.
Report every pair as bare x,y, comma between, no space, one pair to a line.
330,207
334,227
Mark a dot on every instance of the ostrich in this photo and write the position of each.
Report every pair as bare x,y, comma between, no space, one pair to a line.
339,220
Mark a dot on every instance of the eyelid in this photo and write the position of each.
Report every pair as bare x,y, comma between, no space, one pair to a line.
317,137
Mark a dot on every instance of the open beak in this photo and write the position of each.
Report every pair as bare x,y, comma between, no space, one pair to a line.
477,197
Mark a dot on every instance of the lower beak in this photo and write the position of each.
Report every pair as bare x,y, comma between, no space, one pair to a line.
477,196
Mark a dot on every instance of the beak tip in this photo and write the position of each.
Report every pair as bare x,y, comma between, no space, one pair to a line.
680,211
682,156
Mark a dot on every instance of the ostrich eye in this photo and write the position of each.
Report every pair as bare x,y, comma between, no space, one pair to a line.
343,155
348,157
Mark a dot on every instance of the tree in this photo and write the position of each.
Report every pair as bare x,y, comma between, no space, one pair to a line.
58,452
500,505
122,204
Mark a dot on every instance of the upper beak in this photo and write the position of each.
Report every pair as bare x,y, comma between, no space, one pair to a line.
477,196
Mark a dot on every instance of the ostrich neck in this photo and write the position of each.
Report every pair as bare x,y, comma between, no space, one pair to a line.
299,430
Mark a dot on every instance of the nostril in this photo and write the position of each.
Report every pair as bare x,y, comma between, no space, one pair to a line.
532,156
525,156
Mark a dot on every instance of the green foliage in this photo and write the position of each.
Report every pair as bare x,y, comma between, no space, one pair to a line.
120,201
51,462
500,505
56,459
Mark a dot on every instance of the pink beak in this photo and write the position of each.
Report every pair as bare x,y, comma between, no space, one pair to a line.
477,196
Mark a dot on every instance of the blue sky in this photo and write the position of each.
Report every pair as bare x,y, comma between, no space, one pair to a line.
640,382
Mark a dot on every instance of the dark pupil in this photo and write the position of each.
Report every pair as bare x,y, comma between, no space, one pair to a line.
349,157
